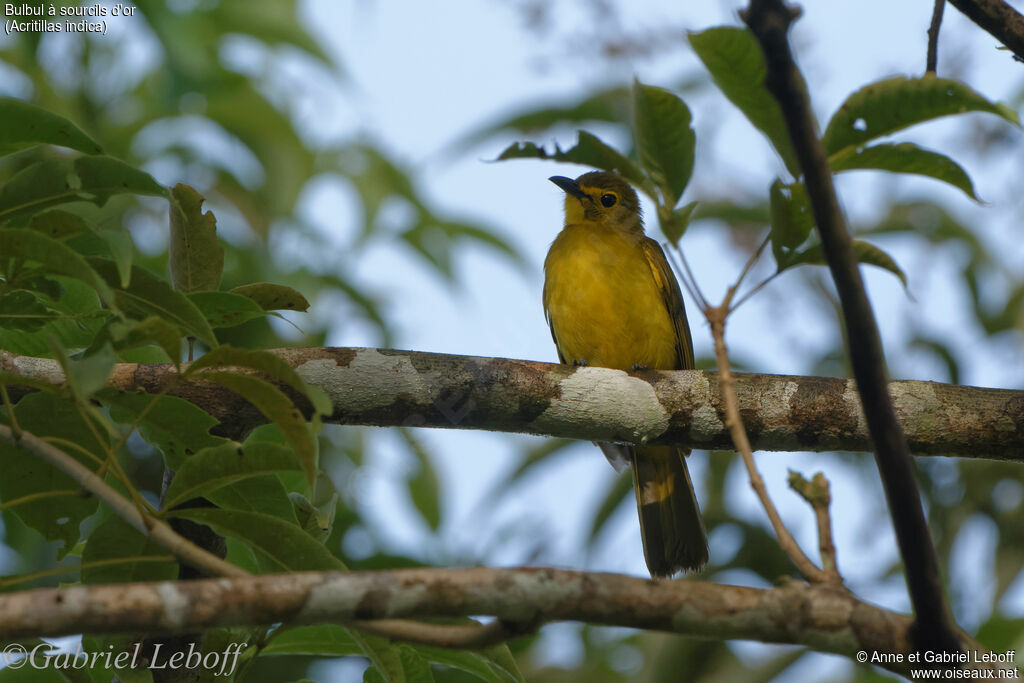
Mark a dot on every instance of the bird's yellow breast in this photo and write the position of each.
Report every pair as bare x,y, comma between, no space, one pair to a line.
603,302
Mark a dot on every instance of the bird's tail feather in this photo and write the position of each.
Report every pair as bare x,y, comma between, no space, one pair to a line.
670,523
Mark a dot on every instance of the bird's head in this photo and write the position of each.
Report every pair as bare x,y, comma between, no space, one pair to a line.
601,197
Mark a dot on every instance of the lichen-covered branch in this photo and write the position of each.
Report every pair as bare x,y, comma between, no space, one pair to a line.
781,413
822,617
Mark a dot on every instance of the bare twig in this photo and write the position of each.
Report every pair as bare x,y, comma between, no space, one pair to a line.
998,18
156,529
932,61
769,20
717,316
816,493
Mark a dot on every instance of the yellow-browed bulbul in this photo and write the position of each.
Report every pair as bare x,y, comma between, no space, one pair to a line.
612,301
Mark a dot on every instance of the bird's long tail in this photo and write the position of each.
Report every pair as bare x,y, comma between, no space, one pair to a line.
670,522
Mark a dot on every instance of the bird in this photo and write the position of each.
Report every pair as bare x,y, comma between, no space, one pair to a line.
611,300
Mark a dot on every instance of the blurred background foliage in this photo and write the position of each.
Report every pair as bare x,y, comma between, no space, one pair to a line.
209,93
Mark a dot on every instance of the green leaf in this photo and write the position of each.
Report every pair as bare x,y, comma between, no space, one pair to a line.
22,310
287,546
271,23
678,221
57,257
736,62
891,105
59,224
665,140
792,219
196,255
316,516
385,659
610,106
218,466
495,664
263,493
57,181
148,295
324,639
124,335
224,309
58,517
864,251
175,426
589,151
277,408
26,124
904,158
80,320
271,297
122,252
115,539
88,374
266,363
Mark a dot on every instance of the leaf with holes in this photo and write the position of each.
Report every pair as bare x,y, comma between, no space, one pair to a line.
894,104
196,255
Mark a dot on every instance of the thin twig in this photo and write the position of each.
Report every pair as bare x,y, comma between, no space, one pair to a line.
682,267
716,316
769,20
743,274
156,529
816,493
449,636
756,288
931,64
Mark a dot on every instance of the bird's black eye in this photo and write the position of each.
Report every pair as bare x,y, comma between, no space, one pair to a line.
608,200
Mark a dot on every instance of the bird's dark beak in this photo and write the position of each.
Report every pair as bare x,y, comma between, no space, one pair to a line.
569,185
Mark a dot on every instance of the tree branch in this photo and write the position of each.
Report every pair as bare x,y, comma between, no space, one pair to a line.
716,316
769,20
995,16
821,617
782,413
